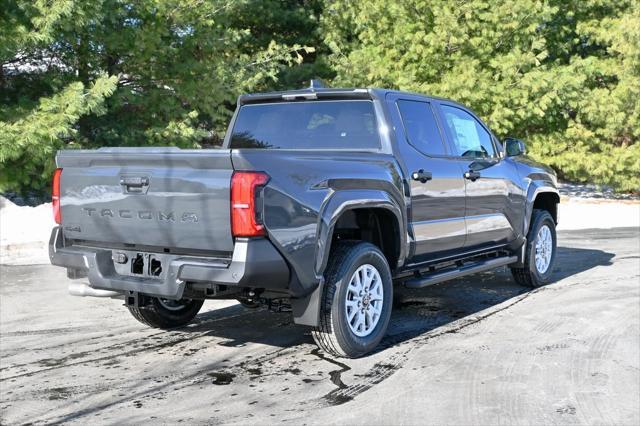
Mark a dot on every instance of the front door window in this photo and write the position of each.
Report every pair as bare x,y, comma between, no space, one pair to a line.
470,139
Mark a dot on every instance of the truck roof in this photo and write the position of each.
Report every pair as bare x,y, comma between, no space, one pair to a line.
325,93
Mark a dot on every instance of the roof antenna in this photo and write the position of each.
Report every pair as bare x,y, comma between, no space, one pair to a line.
316,83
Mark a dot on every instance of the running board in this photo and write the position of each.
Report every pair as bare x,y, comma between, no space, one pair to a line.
438,277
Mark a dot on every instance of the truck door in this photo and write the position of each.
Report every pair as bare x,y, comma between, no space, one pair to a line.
435,182
492,201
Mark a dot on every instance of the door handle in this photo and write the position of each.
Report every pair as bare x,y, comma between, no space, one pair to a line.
472,175
421,176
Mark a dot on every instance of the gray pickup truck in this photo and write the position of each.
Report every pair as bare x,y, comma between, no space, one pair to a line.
319,202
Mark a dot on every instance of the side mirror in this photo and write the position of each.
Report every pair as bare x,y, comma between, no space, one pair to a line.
514,147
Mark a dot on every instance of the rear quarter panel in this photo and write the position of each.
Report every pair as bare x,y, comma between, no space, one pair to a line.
297,199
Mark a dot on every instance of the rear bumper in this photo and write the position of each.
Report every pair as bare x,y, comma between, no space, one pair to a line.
255,263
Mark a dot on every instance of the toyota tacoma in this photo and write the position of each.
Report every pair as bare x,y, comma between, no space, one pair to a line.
319,202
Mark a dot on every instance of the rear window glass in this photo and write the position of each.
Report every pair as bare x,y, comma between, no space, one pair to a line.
306,125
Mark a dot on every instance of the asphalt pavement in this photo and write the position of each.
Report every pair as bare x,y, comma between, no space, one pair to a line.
478,350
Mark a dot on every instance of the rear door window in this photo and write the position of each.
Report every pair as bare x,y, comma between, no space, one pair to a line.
346,124
420,127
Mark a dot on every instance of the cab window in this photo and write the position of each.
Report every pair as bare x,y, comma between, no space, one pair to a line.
420,127
340,124
469,138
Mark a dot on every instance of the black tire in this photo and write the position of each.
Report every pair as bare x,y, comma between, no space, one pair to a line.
166,313
529,275
334,334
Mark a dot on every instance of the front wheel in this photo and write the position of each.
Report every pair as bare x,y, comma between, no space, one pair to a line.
540,253
356,300
166,313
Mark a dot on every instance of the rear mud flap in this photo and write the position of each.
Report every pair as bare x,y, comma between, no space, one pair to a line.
306,309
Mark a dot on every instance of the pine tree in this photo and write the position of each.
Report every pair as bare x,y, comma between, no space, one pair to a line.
111,73
563,75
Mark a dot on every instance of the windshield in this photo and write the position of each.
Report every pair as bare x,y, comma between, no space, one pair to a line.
346,124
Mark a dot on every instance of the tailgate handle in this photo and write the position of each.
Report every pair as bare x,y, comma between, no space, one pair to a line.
134,183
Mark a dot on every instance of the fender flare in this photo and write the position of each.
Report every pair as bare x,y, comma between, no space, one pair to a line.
350,199
536,188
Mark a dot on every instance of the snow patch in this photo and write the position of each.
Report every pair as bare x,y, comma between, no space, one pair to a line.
24,233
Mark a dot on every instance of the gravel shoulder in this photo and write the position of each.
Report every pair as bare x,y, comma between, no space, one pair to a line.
478,350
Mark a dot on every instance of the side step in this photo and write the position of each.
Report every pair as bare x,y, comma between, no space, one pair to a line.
438,277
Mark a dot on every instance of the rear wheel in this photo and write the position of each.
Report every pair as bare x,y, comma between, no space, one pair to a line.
540,253
166,313
356,300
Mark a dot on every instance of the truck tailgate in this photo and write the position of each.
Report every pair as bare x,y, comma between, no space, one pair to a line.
167,198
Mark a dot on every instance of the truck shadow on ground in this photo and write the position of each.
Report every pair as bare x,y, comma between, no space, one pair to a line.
415,311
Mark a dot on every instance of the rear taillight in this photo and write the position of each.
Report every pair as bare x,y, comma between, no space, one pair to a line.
55,196
243,203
